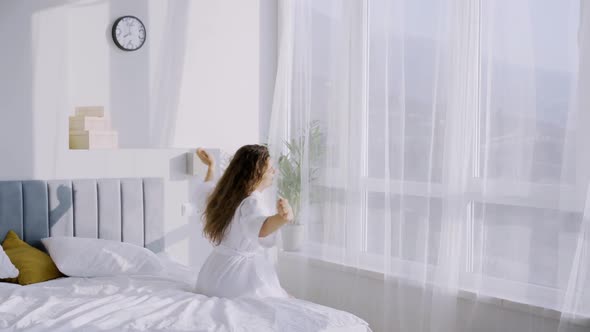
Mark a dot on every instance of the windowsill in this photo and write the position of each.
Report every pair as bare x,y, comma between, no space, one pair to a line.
322,258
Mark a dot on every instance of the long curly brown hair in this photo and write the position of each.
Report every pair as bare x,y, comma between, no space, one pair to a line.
244,173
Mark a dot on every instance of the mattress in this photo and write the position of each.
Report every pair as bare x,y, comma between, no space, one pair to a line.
156,303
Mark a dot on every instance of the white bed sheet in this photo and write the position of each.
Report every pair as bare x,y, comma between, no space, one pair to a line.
5,286
148,303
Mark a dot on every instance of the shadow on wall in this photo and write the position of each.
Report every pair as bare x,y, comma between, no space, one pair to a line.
16,93
129,78
145,84
177,172
190,231
64,198
170,238
178,167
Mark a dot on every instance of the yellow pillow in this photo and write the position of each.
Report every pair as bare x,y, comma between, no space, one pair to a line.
33,265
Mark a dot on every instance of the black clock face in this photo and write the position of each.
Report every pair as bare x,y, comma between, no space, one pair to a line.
129,33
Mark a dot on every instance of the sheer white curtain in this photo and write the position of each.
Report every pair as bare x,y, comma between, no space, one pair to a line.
454,159
166,83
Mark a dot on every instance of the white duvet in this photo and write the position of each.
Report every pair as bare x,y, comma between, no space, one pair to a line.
154,304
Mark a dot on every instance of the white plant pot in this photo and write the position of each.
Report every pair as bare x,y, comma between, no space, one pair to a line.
293,236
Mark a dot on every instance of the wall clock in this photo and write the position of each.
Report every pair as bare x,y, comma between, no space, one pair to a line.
129,33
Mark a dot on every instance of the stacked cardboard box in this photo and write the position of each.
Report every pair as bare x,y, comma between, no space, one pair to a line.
90,128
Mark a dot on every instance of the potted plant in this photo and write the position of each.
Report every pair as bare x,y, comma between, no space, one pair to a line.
289,183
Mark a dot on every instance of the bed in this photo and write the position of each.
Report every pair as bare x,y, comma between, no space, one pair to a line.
128,210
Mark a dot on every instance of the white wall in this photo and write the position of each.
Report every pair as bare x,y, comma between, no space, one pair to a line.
220,80
196,82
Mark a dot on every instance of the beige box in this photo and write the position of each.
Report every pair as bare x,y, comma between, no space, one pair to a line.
82,123
92,139
90,111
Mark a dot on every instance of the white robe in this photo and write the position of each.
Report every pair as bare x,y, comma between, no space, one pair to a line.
238,266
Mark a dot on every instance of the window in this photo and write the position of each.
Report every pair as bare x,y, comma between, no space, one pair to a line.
517,204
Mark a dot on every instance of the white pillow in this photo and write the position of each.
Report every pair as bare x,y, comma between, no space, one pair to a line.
7,269
83,257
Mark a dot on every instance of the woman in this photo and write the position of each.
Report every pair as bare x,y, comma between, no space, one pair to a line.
239,227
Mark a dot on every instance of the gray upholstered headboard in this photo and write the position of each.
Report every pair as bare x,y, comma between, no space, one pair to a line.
128,210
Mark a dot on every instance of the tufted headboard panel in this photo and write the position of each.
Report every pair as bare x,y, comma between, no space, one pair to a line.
128,210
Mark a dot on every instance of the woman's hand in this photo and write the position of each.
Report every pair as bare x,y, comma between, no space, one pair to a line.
205,157
208,160
284,209
274,222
